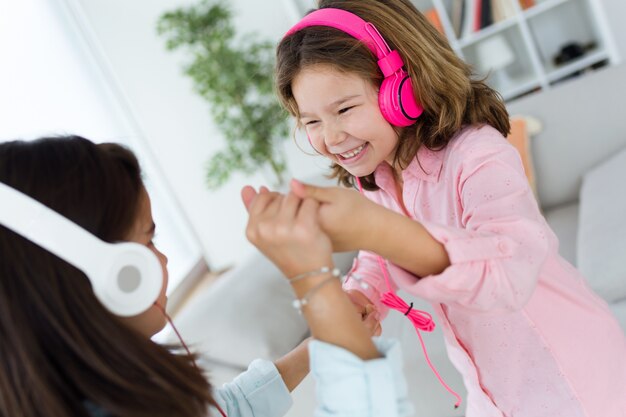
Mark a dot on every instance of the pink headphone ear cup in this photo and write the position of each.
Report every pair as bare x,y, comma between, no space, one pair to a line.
397,101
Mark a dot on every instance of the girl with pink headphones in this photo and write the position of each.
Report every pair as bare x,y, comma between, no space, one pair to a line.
447,206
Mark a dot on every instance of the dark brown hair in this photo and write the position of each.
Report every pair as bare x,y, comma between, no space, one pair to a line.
60,349
443,83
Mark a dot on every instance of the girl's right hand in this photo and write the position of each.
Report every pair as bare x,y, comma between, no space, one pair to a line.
286,229
367,311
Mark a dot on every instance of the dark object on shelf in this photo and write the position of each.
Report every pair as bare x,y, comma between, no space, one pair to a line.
592,67
571,51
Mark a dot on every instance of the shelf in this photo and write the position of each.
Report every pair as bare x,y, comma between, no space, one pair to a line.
555,73
536,37
523,86
486,32
542,7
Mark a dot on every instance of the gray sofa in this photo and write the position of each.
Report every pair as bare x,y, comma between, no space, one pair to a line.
247,313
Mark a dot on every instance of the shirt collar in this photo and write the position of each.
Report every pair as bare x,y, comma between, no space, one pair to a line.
426,166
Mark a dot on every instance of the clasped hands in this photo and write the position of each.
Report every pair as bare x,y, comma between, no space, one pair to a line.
299,231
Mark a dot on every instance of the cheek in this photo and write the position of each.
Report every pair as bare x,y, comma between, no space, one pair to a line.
163,261
317,142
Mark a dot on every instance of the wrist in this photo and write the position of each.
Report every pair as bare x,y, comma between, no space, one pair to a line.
377,222
307,266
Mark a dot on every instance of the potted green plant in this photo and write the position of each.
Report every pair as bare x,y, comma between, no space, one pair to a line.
235,75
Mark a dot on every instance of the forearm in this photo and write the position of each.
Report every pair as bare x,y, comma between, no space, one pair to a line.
294,366
406,243
332,317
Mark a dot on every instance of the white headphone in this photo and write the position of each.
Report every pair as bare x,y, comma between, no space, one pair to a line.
126,277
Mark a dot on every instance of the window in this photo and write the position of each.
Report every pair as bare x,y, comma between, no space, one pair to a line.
52,82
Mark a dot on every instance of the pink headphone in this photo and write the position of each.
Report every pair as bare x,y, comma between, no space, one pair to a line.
396,98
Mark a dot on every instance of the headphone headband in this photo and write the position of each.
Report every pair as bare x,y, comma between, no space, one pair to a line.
396,98
126,277
347,22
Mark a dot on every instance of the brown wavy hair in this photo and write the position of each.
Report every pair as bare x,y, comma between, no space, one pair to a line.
444,84
61,351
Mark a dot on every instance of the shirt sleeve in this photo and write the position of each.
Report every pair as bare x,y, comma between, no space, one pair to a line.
497,255
257,392
367,277
350,387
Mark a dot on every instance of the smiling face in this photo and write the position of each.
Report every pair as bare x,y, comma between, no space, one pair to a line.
342,119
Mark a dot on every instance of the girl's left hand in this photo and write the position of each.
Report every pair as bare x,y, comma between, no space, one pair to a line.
286,229
345,215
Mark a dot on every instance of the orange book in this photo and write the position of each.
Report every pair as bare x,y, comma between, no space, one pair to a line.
525,4
433,18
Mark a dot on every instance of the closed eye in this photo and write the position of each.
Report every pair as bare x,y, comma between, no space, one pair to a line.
311,122
345,109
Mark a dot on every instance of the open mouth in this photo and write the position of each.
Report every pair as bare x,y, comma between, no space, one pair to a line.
352,154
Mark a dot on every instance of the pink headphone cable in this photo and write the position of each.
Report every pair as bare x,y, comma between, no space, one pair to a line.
421,320
182,342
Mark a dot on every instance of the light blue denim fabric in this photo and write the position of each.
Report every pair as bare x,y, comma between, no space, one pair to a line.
346,386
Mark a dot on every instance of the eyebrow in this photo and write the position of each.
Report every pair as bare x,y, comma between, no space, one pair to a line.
333,104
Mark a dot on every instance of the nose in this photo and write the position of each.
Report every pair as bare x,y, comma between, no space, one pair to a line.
333,134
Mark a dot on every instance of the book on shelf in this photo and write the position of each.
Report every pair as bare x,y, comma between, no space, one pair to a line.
456,16
469,18
486,15
433,17
525,4
502,10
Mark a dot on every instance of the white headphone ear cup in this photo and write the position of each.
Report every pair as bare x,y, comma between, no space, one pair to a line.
133,282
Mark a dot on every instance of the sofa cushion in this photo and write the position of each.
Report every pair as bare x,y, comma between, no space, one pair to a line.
602,228
619,310
564,222
246,314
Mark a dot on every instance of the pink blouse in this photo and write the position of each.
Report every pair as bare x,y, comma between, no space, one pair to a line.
520,324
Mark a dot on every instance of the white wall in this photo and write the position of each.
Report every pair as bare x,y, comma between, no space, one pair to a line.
615,12
52,85
177,122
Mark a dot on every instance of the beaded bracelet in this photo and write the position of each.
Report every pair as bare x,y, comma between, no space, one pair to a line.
323,270
299,303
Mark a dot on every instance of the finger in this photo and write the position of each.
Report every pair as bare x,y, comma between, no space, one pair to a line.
308,212
371,324
302,190
372,319
358,298
264,189
379,330
247,195
290,205
264,204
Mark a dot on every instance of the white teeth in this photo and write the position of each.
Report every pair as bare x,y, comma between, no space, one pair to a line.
352,153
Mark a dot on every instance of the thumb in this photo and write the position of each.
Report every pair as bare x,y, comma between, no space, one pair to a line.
247,195
302,190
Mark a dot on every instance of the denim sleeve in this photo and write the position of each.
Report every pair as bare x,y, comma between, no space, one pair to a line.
350,387
257,392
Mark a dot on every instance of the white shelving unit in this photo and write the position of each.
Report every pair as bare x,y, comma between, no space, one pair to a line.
531,38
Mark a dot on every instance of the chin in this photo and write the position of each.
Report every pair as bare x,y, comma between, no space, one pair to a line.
359,172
